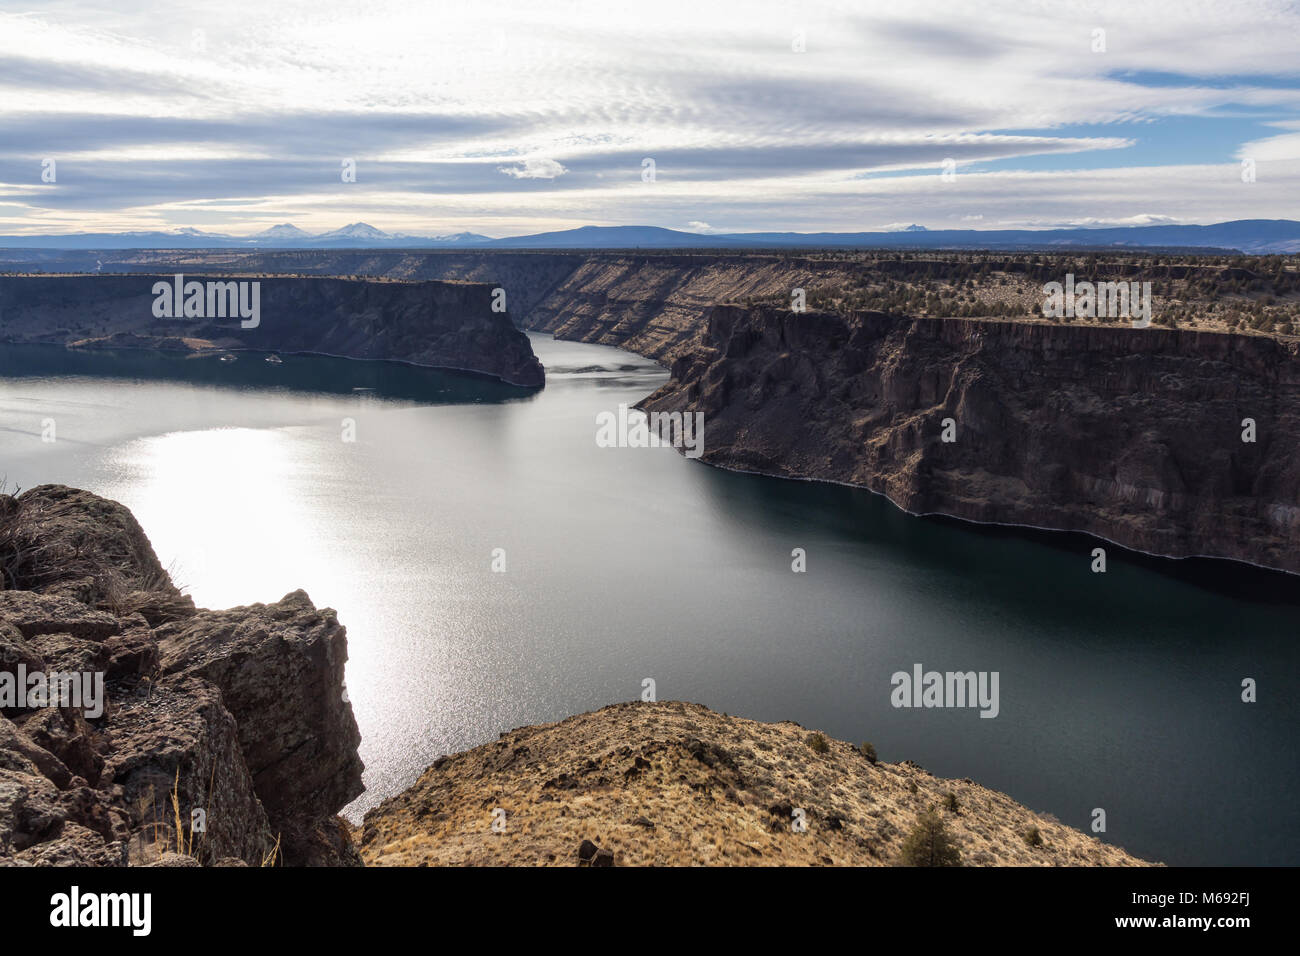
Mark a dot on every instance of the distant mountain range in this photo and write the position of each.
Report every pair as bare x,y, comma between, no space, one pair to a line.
1256,236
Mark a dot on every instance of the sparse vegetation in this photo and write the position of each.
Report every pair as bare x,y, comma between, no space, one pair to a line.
818,742
869,751
1033,837
929,844
1192,290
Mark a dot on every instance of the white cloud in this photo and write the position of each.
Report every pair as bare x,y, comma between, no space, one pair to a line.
534,169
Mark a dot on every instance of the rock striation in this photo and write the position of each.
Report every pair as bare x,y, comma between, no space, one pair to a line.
1132,435
239,715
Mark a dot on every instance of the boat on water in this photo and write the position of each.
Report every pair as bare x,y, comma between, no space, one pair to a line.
274,360
228,357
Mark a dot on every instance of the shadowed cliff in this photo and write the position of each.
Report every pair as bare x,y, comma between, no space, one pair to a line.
1132,435
438,324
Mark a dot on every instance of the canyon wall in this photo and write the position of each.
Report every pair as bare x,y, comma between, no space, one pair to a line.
1132,435
649,303
439,324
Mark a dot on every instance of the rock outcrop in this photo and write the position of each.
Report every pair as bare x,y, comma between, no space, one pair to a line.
222,736
436,324
1132,435
677,784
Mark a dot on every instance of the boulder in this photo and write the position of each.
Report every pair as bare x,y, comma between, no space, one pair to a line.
280,670
178,752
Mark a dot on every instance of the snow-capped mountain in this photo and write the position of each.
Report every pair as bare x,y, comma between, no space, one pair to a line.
357,230
199,233
285,230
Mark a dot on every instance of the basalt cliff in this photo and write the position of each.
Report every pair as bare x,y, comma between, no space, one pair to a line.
444,324
220,737
1179,443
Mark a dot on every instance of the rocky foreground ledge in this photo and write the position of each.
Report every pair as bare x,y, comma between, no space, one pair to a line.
677,784
223,737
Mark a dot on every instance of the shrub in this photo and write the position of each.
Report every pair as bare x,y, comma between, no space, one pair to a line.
950,803
1033,837
869,751
819,743
928,844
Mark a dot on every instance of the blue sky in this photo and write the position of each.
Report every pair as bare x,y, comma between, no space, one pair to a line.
513,117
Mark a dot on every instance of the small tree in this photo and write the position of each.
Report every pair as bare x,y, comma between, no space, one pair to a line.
928,844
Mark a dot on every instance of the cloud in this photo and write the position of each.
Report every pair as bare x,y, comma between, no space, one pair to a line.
443,106
534,169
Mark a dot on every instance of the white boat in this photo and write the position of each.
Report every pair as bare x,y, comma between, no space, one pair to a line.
275,360
228,357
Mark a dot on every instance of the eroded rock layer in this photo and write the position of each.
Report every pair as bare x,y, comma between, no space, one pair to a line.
1133,435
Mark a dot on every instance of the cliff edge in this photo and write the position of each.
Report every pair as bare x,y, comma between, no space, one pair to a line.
136,729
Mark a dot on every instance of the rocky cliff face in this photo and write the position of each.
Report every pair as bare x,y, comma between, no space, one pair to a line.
675,784
1131,435
441,324
649,303
655,305
239,714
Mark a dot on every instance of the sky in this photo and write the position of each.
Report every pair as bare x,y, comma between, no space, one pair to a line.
508,118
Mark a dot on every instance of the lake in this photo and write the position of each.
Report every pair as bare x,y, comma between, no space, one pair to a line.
1119,691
